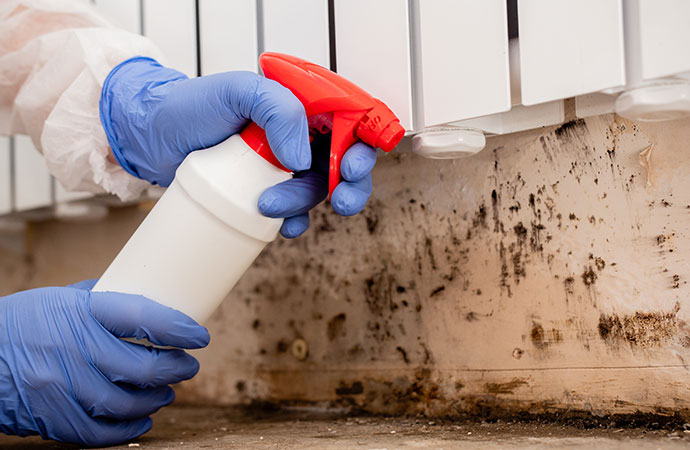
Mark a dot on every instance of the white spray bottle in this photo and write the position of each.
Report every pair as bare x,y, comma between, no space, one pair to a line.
206,229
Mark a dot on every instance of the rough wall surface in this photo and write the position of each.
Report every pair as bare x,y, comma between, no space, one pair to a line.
548,272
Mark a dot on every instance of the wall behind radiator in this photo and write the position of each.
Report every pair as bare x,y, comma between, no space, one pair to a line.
547,272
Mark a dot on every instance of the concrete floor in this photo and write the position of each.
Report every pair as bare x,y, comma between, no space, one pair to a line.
215,428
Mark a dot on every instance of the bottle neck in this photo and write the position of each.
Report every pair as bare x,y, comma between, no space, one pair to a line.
255,137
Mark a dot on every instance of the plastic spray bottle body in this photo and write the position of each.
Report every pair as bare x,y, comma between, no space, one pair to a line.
202,234
206,230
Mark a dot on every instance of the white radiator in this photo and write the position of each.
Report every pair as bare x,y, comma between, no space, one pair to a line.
433,61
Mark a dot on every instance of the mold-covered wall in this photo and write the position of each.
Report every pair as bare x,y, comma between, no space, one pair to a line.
547,272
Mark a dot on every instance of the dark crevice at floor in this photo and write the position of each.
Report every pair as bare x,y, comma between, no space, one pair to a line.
484,411
268,426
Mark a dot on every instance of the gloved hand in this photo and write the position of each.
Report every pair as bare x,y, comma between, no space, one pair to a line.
66,375
292,199
154,117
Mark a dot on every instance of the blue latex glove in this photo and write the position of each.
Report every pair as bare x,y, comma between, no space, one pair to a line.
66,375
154,117
292,199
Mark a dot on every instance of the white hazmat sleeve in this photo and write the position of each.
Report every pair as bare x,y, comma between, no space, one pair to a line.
54,57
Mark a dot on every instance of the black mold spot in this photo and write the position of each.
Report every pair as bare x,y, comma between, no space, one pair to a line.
644,329
430,252
372,223
569,127
437,291
589,276
403,353
521,232
324,225
335,326
568,284
504,388
518,266
355,389
504,269
378,291
535,239
479,219
542,338
281,346
537,335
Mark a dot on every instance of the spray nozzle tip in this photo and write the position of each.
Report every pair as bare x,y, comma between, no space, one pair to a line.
390,137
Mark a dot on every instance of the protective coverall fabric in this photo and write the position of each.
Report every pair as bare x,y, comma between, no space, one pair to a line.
54,57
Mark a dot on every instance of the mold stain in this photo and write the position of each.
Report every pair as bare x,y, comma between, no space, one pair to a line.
642,329
542,338
570,128
344,389
411,394
508,387
335,326
403,354
437,291
589,276
479,220
521,233
378,292
372,224
568,284
513,234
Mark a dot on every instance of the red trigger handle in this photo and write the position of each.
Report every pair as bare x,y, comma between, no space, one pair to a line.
356,114
343,135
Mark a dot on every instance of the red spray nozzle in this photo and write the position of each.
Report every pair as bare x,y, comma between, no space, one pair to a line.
356,114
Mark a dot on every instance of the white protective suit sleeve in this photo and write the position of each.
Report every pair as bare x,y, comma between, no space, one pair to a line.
54,57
